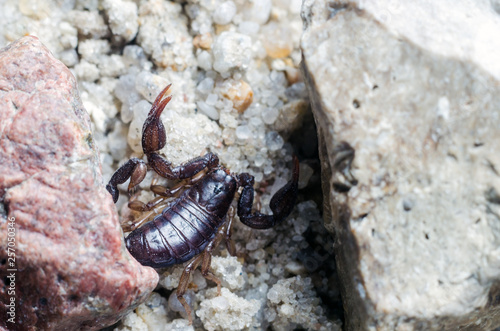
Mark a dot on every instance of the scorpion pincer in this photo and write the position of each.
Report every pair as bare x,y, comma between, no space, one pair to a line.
193,225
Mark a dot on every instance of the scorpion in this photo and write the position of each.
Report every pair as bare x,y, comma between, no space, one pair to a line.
193,225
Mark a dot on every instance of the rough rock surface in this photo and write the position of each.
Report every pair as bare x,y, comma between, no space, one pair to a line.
71,269
414,88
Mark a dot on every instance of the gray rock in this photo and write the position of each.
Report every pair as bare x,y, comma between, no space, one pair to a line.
68,268
414,88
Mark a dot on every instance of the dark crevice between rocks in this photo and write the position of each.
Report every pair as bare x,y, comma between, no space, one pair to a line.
163,292
347,253
305,144
338,215
319,263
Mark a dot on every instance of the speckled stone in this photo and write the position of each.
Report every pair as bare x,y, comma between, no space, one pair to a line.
418,98
68,239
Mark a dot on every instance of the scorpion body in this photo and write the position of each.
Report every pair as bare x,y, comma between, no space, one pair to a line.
192,226
184,230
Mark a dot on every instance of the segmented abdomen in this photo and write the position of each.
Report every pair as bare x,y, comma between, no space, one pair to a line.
175,236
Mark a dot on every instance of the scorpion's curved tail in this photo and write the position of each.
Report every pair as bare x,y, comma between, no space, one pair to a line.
281,203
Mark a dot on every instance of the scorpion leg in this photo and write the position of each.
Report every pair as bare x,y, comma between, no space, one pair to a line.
154,138
281,203
177,189
184,282
137,205
205,259
135,169
150,210
229,242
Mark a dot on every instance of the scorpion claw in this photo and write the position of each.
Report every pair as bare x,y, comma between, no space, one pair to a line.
138,175
135,169
113,190
153,131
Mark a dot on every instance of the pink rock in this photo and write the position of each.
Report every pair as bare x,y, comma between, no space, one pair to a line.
72,270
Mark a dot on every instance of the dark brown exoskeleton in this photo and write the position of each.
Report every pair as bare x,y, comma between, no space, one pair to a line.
193,225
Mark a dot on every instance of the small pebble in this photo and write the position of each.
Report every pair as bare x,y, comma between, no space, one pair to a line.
175,305
211,99
203,41
259,11
305,175
231,50
220,303
205,60
133,55
277,40
269,115
243,132
249,28
274,141
240,94
206,85
224,13
208,110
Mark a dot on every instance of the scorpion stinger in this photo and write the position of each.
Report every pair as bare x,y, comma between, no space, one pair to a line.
281,203
135,169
